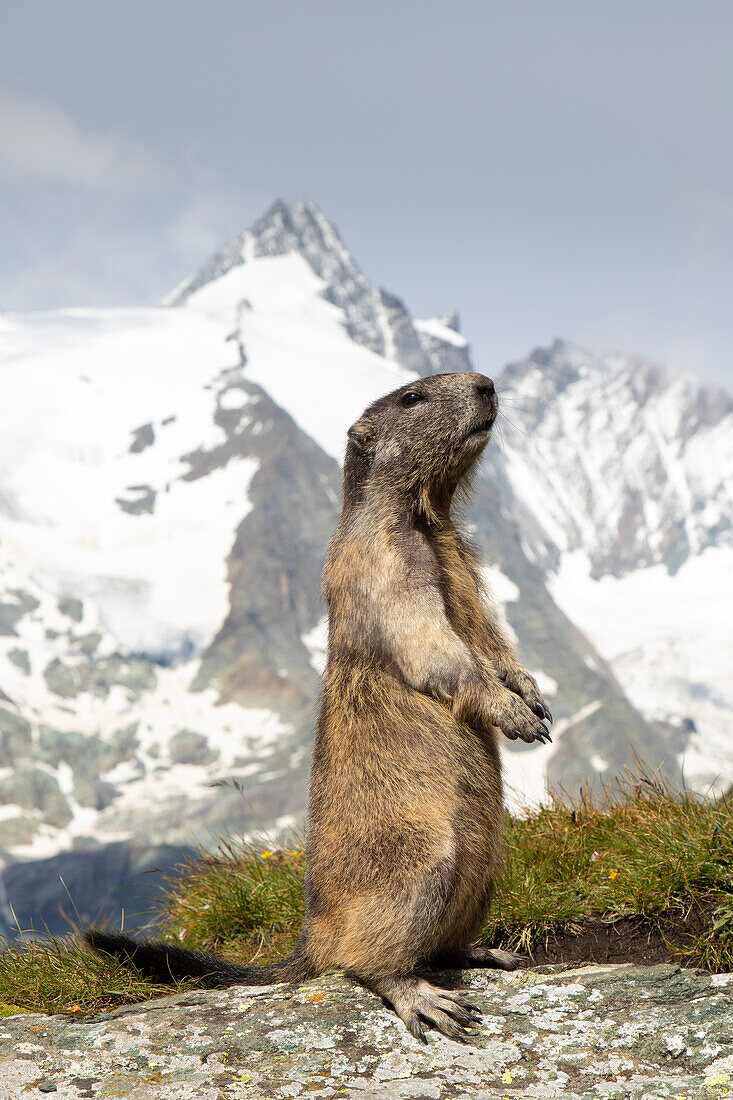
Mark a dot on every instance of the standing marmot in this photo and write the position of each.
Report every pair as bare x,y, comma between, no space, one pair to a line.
405,810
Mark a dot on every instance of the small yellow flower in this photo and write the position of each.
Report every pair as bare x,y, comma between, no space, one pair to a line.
612,874
266,855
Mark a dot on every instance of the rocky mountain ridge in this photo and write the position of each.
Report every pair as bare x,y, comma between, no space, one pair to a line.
625,460
372,316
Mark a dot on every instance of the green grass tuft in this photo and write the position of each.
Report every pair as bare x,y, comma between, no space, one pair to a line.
12,1010
59,975
239,901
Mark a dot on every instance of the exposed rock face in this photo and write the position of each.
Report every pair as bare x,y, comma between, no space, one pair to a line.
640,1033
274,566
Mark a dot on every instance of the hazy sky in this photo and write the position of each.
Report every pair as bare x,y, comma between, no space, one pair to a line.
549,168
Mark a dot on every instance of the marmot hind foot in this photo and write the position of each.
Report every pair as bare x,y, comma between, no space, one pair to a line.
417,1003
493,957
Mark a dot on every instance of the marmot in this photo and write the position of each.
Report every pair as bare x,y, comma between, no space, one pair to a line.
405,807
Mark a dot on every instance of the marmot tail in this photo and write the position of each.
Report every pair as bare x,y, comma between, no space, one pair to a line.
165,962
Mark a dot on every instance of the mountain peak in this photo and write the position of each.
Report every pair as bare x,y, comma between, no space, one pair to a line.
299,226
372,317
284,228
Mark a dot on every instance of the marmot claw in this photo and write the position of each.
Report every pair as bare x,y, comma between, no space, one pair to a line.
526,687
515,719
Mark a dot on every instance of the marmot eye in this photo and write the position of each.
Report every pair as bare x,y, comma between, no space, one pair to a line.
412,398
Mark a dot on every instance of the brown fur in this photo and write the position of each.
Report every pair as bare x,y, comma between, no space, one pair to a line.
405,809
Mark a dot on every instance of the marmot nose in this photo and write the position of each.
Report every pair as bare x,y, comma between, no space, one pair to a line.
485,389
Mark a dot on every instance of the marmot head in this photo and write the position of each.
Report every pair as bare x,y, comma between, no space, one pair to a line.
423,438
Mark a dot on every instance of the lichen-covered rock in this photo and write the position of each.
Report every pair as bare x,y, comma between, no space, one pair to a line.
592,1032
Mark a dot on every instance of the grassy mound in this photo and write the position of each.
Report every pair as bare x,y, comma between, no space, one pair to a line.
644,852
646,857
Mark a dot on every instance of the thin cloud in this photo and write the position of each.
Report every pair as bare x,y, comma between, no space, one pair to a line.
94,217
39,141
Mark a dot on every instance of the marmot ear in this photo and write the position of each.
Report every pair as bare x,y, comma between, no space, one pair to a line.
361,434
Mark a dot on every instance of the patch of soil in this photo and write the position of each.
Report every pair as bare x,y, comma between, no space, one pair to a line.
628,939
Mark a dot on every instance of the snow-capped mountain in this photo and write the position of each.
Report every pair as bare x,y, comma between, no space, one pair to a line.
169,478
626,462
372,317
623,476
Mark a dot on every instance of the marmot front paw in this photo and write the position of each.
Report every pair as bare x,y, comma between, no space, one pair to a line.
515,719
526,687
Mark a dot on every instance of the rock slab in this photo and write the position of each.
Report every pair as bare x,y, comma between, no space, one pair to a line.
585,1033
